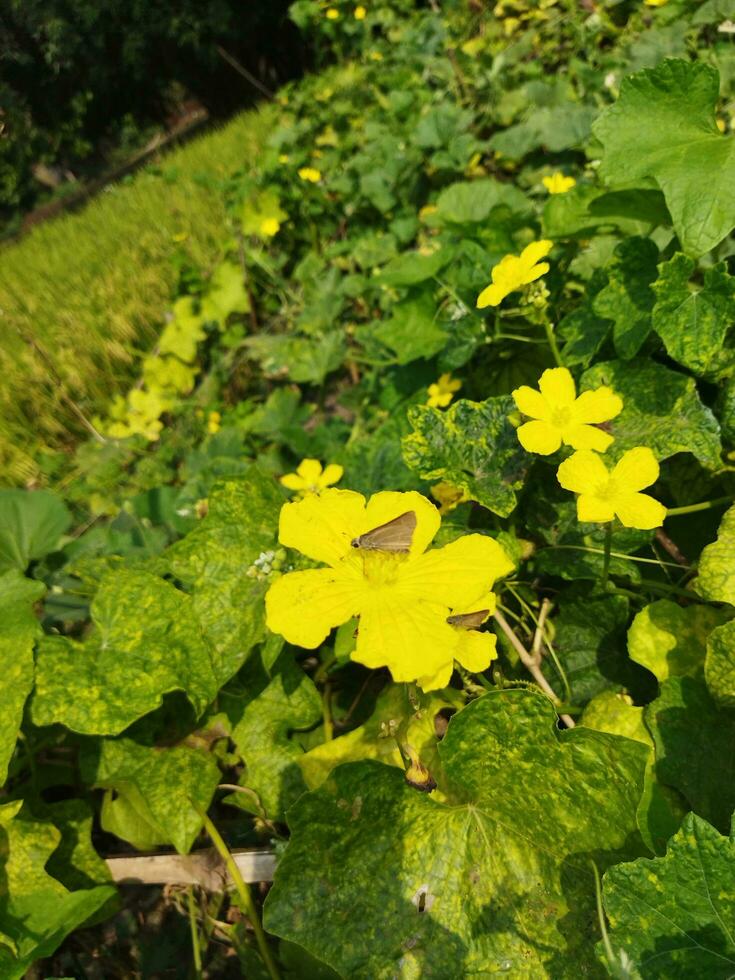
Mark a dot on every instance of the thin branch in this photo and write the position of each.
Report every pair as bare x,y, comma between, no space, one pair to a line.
531,665
538,636
671,547
241,70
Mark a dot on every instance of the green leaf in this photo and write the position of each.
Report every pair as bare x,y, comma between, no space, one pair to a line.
471,445
152,791
693,322
716,579
610,711
669,639
262,737
304,359
555,128
396,718
628,299
226,294
719,667
693,738
18,633
668,115
260,207
585,210
674,915
147,642
31,523
412,331
411,268
36,911
468,202
661,409
215,561
495,880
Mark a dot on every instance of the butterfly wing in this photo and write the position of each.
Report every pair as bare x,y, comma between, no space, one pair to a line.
394,536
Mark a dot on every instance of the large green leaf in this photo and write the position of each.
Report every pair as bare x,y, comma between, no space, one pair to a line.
19,629
412,331
553,127
147,642
288,701
716,579
153,792
669,639
719,667
496,880
661,409
694,738
36,911
674,916
668,115
628,299
31,523
215,561
468,202
471,445
693,321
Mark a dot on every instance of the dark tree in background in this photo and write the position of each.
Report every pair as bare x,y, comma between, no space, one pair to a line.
77,75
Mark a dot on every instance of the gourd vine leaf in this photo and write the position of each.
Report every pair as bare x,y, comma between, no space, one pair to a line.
669,639
719,665
20,628
36,912
213,561
497,879
716,579
147,642
31,523
668,114
674,916
628,299
471,445
661,409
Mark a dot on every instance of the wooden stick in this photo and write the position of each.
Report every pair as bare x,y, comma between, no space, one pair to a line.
203,868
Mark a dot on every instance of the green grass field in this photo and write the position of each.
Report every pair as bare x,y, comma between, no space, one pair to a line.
80,295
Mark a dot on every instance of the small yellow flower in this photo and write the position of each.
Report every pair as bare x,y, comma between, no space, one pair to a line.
513,272
375,56
201,508
426,211
655,3
360,13
560,417
180,236
214,421
310,174
721,124
332,14
403,600
605,494
447,496
311,478
283,157
558,184
442,391
270,227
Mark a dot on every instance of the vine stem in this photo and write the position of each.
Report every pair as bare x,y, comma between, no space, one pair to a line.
606,555
243,891
531,664
195,946
554,347
696,508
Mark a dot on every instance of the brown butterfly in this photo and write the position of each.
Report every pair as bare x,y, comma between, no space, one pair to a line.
394,536
469,621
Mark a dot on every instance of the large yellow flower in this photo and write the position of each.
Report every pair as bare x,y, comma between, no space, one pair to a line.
515,271
402,600
560,417
604,495
311,478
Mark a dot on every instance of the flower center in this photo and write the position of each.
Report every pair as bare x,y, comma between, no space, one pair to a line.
561,417
381,568
607,491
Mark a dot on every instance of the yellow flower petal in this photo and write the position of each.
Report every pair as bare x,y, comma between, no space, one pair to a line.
457,574
435,682
304,607
639,510
586,437
535,251
475,651
411,639
492,295
636,469
557,387
531,403
385,506
539,437
292,481
583,472
309,470
600,405
332,474
594,510
322,527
